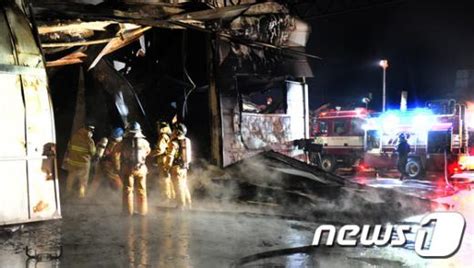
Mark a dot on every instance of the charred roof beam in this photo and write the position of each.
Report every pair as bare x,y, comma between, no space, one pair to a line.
318,9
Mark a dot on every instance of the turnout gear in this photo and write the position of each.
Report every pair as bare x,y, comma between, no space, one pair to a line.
108,167
178,157
179,152
81,149
133,151
164,178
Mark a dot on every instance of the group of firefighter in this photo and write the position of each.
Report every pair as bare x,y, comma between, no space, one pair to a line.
121,160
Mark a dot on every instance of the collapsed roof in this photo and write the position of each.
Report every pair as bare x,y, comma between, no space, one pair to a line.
253,31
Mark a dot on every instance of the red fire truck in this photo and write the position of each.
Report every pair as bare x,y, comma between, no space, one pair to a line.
357,138
342,138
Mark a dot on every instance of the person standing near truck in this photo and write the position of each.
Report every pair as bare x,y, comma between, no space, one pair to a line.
403,149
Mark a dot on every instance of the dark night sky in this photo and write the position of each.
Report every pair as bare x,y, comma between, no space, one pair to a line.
425,41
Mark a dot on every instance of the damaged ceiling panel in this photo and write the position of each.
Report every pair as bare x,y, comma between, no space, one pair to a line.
83,25
224,13
119,42
259,32
60,37
276,42
54,33
268,22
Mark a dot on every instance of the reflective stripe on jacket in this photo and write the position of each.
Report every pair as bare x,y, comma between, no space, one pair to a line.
81,149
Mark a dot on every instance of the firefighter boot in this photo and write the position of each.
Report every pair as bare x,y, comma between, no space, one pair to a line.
82,191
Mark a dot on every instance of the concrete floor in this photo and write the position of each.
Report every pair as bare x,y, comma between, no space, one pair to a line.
98,236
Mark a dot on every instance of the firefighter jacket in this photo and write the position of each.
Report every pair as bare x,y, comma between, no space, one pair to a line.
162,143
81,149
160,150
111,156
178,153
133,152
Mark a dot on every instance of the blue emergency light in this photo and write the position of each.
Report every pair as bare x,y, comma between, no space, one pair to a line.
418,119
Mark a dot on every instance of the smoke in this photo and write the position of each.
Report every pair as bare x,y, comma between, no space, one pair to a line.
275,188
209,181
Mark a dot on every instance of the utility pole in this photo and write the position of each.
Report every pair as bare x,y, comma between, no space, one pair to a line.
384,65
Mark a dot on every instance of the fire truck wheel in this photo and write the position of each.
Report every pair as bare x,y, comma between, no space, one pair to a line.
328,163
414,168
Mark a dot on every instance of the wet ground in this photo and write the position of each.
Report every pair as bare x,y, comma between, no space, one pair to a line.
94,235
217,232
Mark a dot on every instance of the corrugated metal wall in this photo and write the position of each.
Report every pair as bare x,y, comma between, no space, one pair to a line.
28,178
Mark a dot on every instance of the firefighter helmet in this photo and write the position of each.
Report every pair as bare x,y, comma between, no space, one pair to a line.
181,129
135,127
90,127
163,124
135,130
117,133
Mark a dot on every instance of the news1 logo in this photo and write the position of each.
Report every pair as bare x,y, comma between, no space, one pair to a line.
439,241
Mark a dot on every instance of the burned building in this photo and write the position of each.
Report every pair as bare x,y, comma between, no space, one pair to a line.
235,73
118,61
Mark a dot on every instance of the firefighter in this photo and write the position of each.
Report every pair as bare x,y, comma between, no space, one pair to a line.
164,176
403,149
107,164
178,157
81,150
133,151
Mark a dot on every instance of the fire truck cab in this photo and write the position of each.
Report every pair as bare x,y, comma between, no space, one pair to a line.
342,138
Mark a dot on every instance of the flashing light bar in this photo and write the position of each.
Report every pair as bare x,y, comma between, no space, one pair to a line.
420,120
